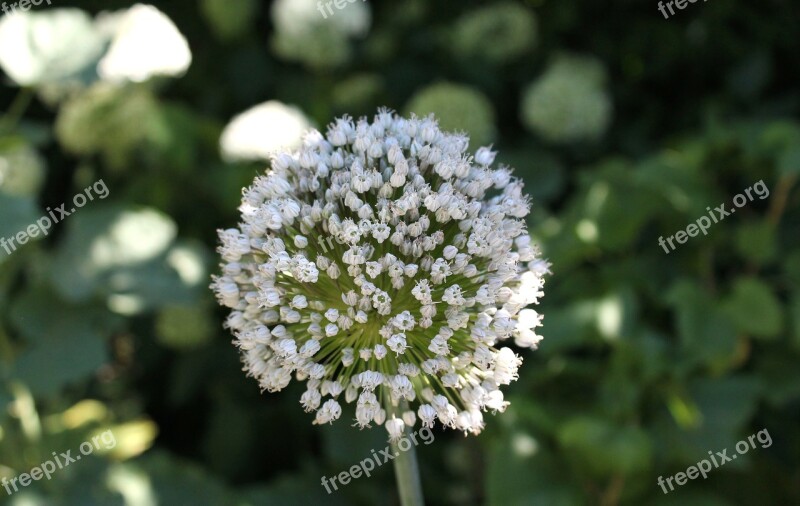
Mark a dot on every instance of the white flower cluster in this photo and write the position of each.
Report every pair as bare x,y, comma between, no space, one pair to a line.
430,270
54,46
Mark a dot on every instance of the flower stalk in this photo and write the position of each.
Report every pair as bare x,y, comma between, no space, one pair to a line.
406,469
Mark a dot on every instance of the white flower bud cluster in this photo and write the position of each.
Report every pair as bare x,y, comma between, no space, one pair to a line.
429,272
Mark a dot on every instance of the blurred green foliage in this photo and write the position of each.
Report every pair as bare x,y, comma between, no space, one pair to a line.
625,127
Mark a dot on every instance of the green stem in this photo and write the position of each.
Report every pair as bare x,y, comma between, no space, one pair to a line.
406,469
16,109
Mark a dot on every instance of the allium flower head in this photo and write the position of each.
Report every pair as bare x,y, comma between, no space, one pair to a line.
384,265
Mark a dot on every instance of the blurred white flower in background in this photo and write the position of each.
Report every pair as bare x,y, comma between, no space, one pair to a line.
303,34
47,47
134,237
144,43
260,131
354,20
65,46
299,17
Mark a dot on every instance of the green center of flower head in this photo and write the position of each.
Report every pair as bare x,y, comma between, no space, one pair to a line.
384,262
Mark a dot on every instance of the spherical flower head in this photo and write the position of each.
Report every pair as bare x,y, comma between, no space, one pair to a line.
569,102
386,266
